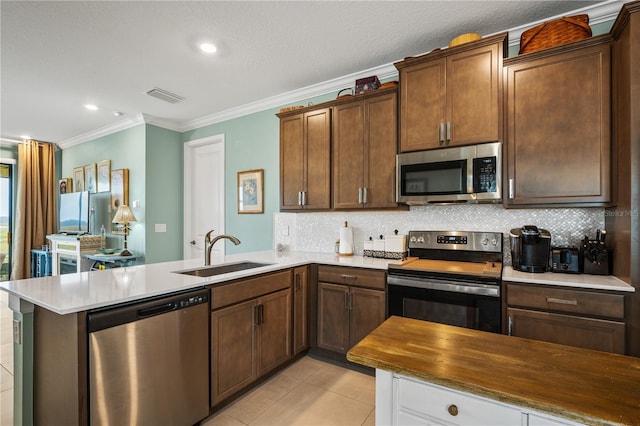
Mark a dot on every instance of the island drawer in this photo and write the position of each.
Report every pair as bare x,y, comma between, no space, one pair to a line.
357,277
592,303
425,403
250,288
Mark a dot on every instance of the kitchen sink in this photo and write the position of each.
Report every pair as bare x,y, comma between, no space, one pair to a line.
208,271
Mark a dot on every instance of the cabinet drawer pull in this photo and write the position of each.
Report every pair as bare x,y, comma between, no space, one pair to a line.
453,409
561,301
349,277
441,134
346,301
299,198
511,189
364,195
359,195
298,286
304,198
448,132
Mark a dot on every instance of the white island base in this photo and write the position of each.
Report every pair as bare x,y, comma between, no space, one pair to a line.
401,400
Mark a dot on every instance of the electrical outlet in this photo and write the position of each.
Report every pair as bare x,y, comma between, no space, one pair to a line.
284,230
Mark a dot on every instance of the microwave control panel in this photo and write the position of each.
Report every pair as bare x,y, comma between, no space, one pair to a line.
484,175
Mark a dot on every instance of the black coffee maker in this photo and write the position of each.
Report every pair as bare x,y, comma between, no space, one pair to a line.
530,248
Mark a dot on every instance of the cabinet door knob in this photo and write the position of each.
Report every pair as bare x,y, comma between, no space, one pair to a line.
453,410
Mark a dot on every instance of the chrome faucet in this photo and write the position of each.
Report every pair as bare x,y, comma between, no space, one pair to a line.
208,244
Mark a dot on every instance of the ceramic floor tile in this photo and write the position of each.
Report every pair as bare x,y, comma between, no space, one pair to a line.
221,419
6,379
6,356
371,419
6,407
312,405
304,368
345,382
260,399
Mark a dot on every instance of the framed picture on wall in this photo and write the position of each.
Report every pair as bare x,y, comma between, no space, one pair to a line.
78,179
104,176
251,191
90,177
119,194
65,185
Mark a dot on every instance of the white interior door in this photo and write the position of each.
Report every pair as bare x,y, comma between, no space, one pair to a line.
203,194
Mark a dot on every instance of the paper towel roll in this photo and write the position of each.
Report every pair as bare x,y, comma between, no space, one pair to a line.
346,240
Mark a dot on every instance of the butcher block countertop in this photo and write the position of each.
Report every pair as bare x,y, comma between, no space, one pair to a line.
582,385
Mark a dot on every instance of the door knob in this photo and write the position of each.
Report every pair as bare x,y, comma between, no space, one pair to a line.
193,242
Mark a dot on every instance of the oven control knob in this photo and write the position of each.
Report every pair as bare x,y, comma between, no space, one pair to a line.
494,242
413,239
485,241
421,239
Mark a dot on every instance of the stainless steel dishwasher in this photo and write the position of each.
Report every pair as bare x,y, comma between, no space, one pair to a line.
149,361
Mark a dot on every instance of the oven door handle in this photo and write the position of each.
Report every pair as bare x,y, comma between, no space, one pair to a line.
447,285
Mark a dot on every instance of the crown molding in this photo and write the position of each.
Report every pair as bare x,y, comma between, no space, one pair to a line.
162,122
127,123
601,12
330,86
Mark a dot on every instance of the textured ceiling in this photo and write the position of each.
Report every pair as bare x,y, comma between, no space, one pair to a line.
58,56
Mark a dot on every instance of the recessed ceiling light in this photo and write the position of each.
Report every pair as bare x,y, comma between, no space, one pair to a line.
208,47
91,107
117,113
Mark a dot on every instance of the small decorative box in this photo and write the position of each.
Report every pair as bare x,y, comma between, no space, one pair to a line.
367,84
368,248
378,247
395,246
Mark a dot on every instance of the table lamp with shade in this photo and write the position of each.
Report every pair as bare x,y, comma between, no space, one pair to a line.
124,215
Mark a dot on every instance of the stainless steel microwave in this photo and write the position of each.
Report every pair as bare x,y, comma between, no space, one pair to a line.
464,174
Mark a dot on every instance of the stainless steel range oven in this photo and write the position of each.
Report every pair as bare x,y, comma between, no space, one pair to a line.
450,277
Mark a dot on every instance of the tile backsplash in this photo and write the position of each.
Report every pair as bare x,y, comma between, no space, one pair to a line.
318,232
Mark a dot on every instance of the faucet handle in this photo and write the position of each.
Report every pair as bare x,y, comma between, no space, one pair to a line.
207,237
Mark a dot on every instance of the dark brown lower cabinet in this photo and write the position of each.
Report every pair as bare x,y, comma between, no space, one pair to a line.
589,333
347,313
300,309
249,338
568,316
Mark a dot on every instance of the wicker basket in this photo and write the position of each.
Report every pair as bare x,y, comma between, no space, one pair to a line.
554,33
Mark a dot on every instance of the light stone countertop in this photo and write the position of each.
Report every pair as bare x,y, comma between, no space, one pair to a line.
585,281
72,293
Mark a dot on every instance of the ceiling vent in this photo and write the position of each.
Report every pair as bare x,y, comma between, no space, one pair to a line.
163,95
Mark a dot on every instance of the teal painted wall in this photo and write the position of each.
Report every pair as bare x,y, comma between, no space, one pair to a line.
163,202
251,142
127,150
